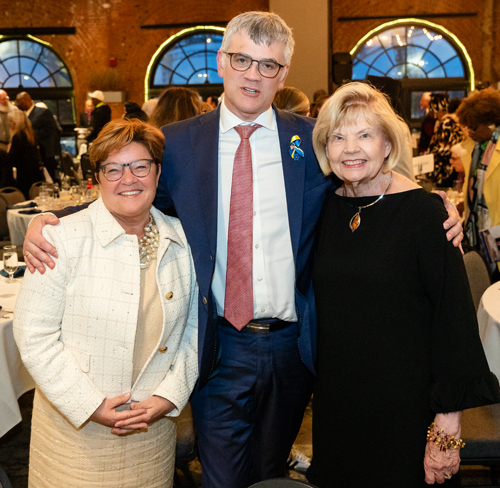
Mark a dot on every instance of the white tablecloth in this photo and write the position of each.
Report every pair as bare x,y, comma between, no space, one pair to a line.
18,225
14,378
488,316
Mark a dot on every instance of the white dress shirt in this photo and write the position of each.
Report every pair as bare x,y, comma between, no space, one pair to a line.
273,265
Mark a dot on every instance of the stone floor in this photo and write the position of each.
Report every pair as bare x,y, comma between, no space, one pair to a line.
14,451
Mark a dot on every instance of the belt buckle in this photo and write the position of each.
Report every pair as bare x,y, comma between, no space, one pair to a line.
259,328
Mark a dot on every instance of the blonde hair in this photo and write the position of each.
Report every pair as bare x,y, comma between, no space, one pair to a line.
292,100
263,28
120,133
22,124
342,109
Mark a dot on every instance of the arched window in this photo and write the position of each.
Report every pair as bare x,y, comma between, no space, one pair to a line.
423,55
187,58
29,64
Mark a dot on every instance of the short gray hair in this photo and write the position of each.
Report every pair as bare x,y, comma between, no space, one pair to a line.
263,28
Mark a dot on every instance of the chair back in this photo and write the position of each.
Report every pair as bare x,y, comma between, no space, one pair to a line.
35,188
12,195
481,434
87,171
68,167
477,272
281,483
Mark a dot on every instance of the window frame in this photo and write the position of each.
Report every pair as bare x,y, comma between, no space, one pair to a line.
204,89
47,93
410,85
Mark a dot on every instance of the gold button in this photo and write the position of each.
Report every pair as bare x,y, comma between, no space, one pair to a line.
204,300
169,295
163,349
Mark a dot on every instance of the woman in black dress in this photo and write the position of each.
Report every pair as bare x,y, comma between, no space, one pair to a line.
398,345
23,152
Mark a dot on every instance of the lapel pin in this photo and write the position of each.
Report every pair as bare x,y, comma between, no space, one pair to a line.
295,150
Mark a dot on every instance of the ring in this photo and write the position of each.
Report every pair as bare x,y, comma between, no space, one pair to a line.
447,476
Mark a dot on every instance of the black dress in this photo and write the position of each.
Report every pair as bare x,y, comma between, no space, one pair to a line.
397,340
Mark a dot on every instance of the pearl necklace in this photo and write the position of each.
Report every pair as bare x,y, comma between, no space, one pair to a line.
149,244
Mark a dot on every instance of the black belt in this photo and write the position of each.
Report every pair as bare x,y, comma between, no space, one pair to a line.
260,326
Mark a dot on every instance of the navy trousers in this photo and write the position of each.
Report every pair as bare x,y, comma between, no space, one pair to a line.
248,415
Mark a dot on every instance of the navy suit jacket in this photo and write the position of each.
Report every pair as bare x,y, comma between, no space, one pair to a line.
189,182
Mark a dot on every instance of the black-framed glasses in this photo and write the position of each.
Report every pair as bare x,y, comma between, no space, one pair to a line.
114,171
267,67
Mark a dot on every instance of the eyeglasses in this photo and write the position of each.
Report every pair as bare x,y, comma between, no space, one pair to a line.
267,67
114,171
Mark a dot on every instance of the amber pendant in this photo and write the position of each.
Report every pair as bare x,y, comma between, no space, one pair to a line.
355,221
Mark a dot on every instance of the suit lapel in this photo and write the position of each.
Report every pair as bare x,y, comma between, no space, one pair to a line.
205,144
294,175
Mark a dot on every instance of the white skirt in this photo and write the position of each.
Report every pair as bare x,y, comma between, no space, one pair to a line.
91,457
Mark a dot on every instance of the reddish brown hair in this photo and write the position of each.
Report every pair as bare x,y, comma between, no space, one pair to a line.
120,133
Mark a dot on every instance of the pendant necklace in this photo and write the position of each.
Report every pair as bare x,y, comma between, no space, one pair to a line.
355,222
149,244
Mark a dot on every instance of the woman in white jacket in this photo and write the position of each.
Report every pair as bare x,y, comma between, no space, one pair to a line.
110,334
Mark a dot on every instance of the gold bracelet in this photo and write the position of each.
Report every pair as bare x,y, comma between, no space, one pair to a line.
442,440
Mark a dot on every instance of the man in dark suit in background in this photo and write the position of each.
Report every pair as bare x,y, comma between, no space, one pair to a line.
85,116
100,116
46,131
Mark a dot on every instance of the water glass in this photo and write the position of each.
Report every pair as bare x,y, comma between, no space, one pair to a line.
10,261
76,194
50,197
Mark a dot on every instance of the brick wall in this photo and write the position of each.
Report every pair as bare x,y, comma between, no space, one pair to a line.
104,33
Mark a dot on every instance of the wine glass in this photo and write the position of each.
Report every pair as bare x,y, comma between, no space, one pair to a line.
10,261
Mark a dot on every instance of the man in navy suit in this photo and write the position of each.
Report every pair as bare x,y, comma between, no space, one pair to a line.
255,383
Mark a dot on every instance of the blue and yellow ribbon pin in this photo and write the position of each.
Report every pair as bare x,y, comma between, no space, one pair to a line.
295,150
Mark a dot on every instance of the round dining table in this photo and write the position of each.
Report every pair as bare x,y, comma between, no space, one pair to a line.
14,378
488,316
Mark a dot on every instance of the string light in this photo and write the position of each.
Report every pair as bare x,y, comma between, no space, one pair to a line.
430,36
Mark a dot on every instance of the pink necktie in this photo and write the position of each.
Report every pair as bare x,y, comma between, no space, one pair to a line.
238,301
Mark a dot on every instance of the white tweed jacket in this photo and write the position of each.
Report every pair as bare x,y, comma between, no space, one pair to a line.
75,325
